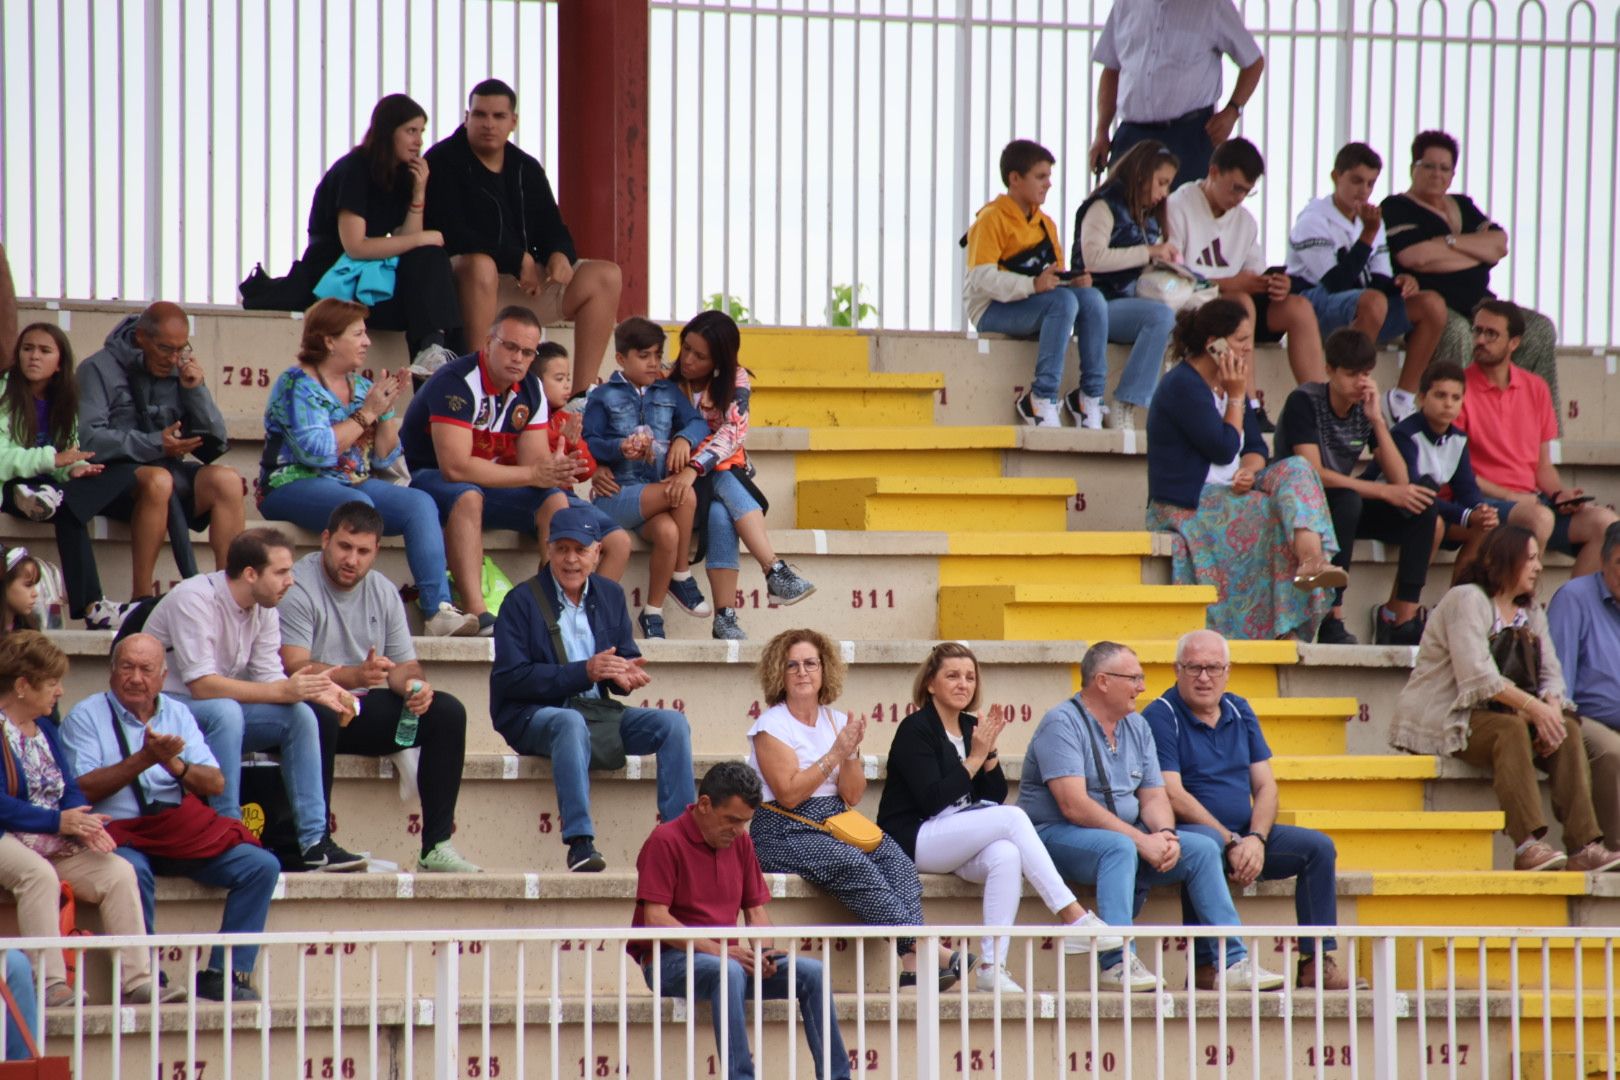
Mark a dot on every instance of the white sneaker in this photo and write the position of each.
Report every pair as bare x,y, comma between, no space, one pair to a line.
106,615
1038,412
1091,413
1122,417
1130,974
1075,946
450,621
37,503
1246,975
1400,404
430,359
994,979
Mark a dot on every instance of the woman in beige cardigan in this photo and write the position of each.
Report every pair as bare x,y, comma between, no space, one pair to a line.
1488,689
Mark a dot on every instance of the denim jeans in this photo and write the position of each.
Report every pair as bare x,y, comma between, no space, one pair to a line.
1054,315
231,728
1145,326
740,989
1293,852
19,976
731,503
248,873
1108,860
561,735
405,511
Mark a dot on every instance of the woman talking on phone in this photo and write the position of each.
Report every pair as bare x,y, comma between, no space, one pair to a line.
1260,534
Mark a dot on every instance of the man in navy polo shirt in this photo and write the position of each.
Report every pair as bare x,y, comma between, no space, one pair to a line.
475,439
1584,621
1217,771
700,870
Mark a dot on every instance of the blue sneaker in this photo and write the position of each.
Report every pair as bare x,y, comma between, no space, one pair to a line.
652,626
689,597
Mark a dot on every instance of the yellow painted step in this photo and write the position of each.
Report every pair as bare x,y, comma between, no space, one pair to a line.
1403,840
1346,782
1070,612
1566,1065
1560,963
770,348
1254,664
1088,558
931,504
844,452
1304,725
795,398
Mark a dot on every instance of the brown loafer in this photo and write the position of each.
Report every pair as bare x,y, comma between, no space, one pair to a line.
1333,977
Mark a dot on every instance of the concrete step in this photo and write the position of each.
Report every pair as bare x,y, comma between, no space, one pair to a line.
1092,612
1344,783
801,398
899,503
1553,956
1304,726
1404,840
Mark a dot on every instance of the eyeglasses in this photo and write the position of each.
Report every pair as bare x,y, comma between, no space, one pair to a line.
1199,670
179,352
514,348
1434,166
1486,334
1139,679
804,665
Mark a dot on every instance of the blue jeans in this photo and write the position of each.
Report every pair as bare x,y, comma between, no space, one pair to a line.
730,504
1293,852
561,735
19,978
248,873
504,508
1145,325
623,506
1336,310
231,728
739,989
1054,315
405,512
1108,860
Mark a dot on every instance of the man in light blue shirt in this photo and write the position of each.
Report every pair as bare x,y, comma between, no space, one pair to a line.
1091,785
136,752
1584,621
1161,63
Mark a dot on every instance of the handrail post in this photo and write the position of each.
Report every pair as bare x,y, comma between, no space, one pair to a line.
1385,999
446,1010
928,1006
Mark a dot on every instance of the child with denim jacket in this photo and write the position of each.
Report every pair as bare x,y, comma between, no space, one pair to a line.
644,429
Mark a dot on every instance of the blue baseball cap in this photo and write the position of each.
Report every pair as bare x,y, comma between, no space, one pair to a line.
576,523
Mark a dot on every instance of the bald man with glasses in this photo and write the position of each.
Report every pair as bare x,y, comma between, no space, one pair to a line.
1217,772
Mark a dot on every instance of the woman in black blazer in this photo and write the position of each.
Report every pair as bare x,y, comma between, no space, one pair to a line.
943,803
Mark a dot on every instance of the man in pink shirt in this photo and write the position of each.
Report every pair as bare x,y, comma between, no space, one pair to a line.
1507,413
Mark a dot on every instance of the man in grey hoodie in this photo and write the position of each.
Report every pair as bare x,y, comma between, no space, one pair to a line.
142,400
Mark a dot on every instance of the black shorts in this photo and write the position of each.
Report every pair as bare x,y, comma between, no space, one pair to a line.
1263,333
122,508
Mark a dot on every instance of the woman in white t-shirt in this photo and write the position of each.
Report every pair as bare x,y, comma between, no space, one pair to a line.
808,759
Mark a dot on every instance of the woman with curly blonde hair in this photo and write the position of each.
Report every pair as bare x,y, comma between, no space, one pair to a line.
808,756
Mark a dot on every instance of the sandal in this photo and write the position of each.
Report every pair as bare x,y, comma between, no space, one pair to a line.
1318,573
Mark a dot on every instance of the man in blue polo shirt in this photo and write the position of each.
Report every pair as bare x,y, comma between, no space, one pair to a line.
1217,771
1584,620
475,439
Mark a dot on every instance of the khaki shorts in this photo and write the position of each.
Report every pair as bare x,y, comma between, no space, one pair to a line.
548,305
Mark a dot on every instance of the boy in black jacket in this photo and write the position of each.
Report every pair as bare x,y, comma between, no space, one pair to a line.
499,217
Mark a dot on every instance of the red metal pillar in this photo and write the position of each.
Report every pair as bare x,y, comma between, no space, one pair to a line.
602,151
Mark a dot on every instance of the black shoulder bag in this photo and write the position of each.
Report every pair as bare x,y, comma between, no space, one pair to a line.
602,714
1103,781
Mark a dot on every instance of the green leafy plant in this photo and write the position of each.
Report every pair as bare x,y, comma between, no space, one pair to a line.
846,308
731,305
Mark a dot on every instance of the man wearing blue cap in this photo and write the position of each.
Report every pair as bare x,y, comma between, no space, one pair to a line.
562,646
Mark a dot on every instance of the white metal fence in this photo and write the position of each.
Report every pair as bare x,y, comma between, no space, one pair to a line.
803,153
569,1002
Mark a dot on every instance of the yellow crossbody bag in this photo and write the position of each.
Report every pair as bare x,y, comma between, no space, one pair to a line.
851,826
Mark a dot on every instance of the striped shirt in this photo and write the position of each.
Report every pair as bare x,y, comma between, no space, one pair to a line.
1168,54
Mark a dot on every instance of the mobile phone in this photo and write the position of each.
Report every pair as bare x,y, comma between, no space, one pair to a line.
1579,500
777,957
1069,275
1276,270
1218,348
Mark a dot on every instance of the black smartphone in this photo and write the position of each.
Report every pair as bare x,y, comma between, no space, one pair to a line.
1579,500
1276,270
1069,275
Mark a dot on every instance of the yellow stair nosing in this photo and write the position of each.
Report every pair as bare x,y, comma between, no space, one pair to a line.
1326,708
963,487
1488,883
1373,767
1390,820
1019,544
809,379
1097,594
1163,651
938,437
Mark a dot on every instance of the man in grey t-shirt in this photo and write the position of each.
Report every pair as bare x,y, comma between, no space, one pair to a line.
1091,785
349,623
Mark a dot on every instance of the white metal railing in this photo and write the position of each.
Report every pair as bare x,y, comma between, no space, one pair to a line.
797,147
569,1002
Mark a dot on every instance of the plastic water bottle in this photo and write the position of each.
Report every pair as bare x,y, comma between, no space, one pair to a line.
405,733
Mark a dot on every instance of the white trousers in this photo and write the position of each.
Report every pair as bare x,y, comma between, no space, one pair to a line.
997,847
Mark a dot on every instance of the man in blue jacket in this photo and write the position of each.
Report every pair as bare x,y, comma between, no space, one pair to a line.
532,688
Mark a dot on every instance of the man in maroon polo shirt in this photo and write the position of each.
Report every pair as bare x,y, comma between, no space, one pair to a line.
1507,414
700,870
